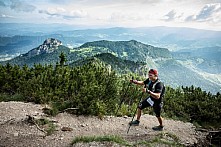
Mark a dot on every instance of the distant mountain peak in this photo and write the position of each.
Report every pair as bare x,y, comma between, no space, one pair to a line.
48,46
134,41
52,42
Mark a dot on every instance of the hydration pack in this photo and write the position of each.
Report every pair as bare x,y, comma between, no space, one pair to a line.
153,87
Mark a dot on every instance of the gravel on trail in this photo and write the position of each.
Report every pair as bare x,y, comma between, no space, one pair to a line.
16,132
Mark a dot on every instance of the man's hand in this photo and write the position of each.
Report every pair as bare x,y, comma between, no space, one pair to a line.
144,90
133,81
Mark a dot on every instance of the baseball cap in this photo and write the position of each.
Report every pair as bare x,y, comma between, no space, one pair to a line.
153,71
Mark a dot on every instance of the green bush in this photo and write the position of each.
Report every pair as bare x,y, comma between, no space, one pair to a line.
7,97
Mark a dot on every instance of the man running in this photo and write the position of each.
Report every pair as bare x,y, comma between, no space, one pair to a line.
155,89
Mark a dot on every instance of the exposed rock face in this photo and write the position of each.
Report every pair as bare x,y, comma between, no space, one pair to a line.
49,46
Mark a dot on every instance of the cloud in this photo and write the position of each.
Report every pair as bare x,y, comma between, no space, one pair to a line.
63,13
53,11
96,3
148,1
75,14
210,12
6,16
63,1
190,18
172,15
119,16
2,3
21,6
18,6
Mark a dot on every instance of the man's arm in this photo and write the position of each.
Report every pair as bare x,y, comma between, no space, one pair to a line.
153,94
137,82
157,93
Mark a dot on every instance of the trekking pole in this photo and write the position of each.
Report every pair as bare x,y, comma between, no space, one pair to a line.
123,96
135,112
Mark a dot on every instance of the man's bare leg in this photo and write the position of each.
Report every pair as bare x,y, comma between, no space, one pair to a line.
138,114
160,119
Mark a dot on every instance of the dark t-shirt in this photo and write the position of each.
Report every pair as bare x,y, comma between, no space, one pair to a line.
158,88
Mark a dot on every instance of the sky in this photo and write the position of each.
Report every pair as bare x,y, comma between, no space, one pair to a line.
201,14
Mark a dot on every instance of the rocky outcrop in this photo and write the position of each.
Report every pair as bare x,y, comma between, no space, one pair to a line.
49,46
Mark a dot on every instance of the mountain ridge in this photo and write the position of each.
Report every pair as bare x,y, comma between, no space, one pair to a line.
137,50
115,63
125,55
168,37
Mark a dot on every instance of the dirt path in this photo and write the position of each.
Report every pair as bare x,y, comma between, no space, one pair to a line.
15,131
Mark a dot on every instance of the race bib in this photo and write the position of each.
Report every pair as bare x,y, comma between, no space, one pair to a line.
150,101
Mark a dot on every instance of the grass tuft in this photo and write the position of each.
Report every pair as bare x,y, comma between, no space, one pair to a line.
108,138
50,128
165,139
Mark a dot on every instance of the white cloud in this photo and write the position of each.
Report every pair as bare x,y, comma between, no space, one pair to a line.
62,2
170,16
6,16
174,13
209,13
18,6
53,11
120,16
63,13
173,16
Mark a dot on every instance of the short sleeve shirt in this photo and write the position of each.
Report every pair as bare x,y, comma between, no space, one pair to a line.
158,88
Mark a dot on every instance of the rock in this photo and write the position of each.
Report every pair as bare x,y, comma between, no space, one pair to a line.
49,46
83,125
125,116
53,121
66,129
16,134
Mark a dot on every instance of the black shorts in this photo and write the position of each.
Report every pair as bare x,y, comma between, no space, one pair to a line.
156,106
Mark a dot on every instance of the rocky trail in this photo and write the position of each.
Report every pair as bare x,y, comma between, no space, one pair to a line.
17,131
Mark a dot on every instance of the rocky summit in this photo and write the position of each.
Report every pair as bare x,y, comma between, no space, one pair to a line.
48,46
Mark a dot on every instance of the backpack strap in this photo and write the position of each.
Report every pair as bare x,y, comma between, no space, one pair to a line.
153,88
